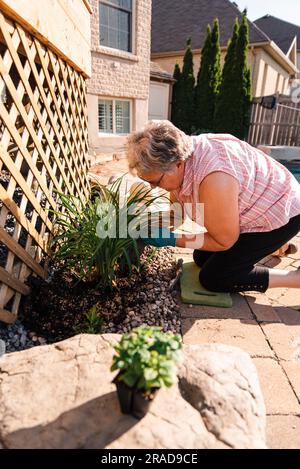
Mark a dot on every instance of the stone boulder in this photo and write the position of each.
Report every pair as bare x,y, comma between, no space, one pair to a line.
62,396
221,382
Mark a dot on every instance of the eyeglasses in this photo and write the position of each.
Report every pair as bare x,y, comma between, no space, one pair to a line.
154,183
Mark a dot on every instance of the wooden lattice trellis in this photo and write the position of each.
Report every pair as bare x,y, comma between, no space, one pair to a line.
43,149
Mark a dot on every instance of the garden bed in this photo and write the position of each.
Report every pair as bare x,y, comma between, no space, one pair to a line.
71,300
62,307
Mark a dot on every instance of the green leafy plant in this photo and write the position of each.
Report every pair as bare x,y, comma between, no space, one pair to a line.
147,357
93,323
77,242
151,255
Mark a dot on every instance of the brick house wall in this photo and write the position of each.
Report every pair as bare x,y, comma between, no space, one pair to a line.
119,75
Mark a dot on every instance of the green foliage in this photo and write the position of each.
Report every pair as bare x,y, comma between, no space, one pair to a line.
177,99
216,73
188,83
220,102
203,92
147,358
93,323
77,243
208,80
247,96
234,102
225,111
151,255
183,92
243,79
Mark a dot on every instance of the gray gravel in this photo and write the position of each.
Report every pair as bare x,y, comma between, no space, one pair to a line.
16,337
156,303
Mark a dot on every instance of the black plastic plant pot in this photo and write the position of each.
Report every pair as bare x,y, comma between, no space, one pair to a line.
140,404
133,401
125,395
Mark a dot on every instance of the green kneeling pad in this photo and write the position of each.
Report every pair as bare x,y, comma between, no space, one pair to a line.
193,292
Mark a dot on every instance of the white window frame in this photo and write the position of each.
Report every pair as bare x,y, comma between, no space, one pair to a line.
114,115
132,26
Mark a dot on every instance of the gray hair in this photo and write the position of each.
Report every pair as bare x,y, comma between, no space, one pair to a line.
157,147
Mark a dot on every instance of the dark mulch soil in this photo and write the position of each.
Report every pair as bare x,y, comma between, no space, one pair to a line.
56,309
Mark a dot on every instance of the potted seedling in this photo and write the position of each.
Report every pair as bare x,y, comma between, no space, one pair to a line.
147,360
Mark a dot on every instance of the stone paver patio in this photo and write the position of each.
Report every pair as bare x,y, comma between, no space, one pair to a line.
267,326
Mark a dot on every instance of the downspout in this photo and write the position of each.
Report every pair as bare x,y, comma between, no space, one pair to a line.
171,86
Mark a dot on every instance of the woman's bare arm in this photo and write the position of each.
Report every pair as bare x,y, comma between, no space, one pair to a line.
219,193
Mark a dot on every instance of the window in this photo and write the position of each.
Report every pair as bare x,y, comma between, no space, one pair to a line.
115,24
114,116
106,116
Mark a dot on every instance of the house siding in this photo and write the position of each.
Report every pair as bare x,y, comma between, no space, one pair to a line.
119,74
257,58
62,24
276,75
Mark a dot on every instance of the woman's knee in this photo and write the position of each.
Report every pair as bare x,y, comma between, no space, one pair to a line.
200,257
212,282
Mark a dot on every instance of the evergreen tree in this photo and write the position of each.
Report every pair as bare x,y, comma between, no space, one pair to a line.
216,74
208,80
247,94
246,79
243,78
188,83
224,112
177,97
234,101
203,95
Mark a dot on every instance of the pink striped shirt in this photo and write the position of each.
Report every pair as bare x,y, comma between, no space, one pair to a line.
269,195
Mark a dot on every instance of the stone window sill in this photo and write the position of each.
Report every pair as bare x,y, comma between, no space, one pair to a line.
116,53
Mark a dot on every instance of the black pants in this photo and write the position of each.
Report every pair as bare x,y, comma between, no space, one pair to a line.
234,270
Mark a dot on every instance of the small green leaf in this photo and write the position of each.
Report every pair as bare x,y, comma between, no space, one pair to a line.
150,374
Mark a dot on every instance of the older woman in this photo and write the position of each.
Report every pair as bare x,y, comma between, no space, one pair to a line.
251,202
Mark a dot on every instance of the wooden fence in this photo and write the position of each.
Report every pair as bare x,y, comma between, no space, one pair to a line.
43,149
277,126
